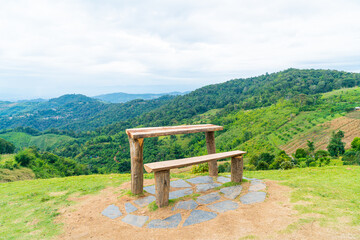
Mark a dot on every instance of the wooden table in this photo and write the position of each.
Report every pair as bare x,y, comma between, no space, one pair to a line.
136,140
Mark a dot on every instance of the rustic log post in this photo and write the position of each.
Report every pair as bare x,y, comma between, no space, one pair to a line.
137,176
162,187
237,169
211,148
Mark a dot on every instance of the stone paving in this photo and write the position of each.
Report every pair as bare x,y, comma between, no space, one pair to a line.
215,202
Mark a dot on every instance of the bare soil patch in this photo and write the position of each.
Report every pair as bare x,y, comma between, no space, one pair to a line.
267,220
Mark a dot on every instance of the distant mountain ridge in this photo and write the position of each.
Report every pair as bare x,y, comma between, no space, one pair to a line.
121,97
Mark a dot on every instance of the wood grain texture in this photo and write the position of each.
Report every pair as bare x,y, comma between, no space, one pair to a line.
237,165
162,187
165,165
171,130
211,149
137,176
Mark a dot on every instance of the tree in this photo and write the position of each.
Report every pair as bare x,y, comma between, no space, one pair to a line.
300,153
6,147
355,144
311,147
336,147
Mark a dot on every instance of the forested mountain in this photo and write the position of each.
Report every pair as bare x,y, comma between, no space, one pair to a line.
121,97
72,112
259,114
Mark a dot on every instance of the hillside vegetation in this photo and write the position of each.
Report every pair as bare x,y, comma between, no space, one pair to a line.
263,114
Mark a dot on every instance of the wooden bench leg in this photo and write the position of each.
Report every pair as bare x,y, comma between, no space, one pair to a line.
237,169
137,176
211,148
162,187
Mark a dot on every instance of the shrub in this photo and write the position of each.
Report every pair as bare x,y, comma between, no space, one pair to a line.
250,167
286,165
24,157
262,165
10,164
321,154
225,167
201,168
300,153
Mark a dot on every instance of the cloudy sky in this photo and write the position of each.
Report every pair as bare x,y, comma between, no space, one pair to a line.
49,48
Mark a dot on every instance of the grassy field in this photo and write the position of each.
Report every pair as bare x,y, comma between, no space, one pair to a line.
332,193
28,208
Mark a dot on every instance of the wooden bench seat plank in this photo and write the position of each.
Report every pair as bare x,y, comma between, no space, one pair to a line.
166,165
171,130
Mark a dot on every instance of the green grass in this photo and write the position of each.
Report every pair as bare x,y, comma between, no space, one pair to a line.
332,192
28,208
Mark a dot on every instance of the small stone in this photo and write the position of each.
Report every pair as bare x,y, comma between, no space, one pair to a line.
231,192
257,187
253,197
208,198
180,193
170,222
129,208
179,184
142,202
224,206
187,205
223,179
198,216
112,212
150,189
202,179
205,187
137,221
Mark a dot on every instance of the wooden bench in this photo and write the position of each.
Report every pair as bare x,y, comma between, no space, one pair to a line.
162,171
136,140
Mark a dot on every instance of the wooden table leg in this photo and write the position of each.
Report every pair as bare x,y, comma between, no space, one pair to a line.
162,187
237,164
211,148
137,176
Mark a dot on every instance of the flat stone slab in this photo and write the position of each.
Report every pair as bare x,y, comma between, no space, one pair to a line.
187,205
256,181
224,206
231,192
223,179
129,208
202,179
208,198
137,221
142,202
205,187
257,187
179,184
150,189
170,222
199,216
180,193
112,212
253,197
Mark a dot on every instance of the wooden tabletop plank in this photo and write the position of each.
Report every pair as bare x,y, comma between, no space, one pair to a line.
170,130
165,165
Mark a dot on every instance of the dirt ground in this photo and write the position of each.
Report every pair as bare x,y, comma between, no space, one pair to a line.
267,220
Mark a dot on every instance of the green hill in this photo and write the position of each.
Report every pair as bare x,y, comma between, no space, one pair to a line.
43,142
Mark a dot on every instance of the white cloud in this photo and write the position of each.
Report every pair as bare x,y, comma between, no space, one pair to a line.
49,48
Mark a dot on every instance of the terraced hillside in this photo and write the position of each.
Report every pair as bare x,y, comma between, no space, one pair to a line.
320,134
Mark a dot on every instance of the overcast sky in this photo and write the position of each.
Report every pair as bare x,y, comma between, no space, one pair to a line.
49,48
